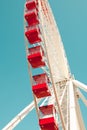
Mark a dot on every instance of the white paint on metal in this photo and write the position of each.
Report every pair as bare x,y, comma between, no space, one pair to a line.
80,85
74,124
19,117
63,96
82,97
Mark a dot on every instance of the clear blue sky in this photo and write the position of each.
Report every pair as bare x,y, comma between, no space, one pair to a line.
15,89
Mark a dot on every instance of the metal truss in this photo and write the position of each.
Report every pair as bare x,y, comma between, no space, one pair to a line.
65,89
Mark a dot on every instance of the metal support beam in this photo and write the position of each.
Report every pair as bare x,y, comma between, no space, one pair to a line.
80,85
62,97
82,97
12,124
74,124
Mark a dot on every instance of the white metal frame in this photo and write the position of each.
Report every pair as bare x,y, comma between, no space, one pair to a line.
16,120
65,89
75,123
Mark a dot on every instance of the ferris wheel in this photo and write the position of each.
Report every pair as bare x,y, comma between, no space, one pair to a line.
55,90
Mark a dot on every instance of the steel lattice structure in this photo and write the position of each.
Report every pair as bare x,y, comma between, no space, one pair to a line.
57,98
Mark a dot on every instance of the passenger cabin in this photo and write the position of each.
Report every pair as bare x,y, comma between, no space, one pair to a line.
31,4
48,124
36,57
33,34
32,17
48,119
41,78
41,87
47,110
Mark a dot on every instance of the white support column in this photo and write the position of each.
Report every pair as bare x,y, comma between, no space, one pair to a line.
82,97
67,125
62,95
14,122
80,85
74,124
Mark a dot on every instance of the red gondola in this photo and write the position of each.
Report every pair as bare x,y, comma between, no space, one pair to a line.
33,35
32,17
47,110
36,57
40,87
41,90
48,124
41,78
31,4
